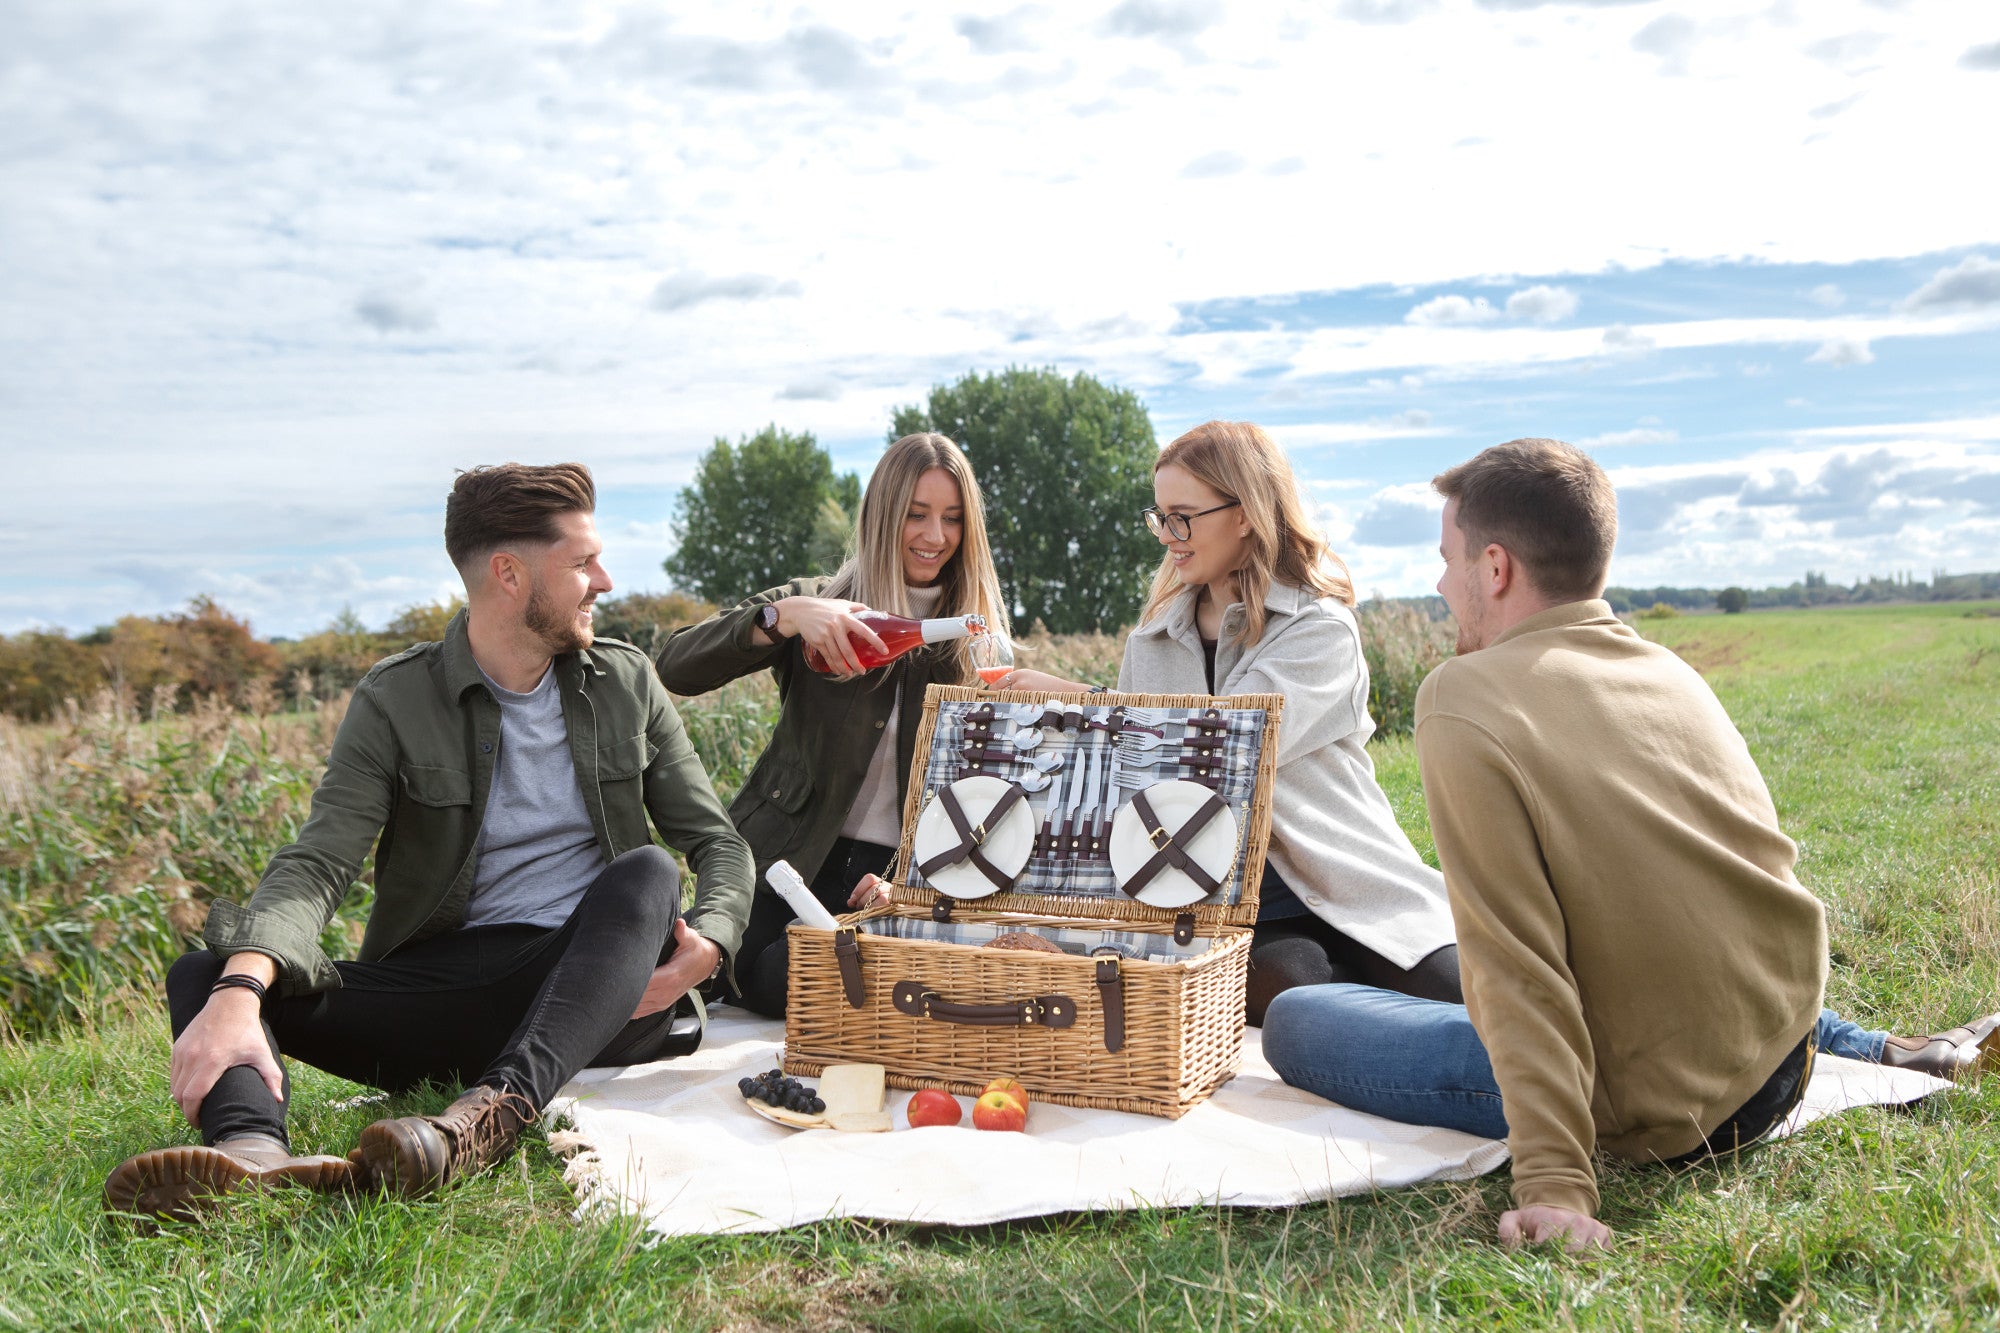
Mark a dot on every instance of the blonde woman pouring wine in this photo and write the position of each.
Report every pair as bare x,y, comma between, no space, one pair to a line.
1249,600
827,793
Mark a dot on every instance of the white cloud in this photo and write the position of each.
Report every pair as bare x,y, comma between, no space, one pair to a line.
1846,48
1827,294
1843,352
1981,57
395,312
198,207
1671,38
1542,304
1973,281
1621,438
1384,11
1162,18
684,290
1453,309
1003,33
1221,162
1624,338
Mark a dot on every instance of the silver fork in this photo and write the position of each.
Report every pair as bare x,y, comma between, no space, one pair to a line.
1142,744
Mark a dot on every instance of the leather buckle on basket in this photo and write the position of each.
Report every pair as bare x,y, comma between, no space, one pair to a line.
1184,928
941,908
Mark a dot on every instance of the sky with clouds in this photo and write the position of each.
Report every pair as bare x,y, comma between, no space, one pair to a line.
269,273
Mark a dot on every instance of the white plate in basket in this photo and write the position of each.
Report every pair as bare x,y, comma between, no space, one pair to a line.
1006,846
1213,848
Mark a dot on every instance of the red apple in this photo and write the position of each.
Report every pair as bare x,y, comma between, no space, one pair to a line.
996,1110
934,1106
1009,1087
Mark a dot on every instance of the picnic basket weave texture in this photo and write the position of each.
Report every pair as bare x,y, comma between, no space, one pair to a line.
1182,1022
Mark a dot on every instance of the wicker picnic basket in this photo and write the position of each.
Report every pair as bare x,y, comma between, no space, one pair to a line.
1156,1027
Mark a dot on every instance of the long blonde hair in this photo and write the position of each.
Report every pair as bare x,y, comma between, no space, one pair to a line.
1240,462
874,572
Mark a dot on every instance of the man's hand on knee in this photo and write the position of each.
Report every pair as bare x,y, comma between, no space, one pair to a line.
229,1031
1531,1226
693,961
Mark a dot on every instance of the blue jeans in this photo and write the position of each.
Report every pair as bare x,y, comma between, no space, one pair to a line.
1419,1061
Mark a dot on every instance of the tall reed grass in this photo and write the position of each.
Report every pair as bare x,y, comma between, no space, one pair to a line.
115,834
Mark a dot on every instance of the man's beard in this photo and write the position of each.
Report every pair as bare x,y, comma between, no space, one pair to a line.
558,632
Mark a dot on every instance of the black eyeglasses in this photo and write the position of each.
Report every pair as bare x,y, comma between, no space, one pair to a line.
1178,526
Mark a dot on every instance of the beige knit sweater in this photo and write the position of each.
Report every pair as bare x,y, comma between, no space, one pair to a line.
1636,955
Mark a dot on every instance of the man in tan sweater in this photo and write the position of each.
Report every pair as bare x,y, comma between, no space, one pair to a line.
1642,973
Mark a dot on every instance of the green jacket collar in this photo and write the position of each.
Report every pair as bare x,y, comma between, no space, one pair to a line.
461,669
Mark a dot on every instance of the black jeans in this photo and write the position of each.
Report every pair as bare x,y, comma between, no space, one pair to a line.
1289,946
515,1007
764,960
1765,1111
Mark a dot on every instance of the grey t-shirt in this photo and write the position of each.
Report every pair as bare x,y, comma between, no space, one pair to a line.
537,850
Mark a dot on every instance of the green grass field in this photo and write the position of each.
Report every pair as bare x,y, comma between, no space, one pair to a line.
1879,731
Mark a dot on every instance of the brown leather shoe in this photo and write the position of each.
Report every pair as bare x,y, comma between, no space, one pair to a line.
1952,1054
421,1153
182,1182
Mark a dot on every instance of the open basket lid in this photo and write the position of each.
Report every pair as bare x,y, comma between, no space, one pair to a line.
1149,860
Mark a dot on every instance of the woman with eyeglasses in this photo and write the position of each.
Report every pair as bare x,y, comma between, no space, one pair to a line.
826,795
1249,599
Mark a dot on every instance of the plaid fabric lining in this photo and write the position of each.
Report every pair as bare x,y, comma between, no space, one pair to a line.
1092,878
1080,941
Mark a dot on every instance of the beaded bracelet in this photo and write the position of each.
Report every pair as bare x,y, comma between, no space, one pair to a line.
238,981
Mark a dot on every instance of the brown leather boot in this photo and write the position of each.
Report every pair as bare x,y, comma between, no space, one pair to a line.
421,1153
1953,1054
183,1182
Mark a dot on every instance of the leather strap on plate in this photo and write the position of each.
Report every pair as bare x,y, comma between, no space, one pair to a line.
969,838
847,952
920,1001
1111,995
1171,852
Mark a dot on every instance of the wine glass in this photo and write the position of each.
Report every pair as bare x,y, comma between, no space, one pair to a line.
992,655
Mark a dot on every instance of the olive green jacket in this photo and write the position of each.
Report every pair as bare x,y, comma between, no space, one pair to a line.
413,763
793,803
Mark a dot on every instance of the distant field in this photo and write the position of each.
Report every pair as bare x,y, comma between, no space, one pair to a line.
1879,731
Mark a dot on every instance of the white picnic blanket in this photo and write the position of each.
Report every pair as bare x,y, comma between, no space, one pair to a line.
674,1143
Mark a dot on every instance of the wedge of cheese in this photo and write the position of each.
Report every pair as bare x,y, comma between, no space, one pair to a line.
853,1095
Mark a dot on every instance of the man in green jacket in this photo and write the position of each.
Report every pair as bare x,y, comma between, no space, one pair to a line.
525,926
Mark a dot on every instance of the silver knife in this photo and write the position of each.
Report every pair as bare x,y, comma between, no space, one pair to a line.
1073,815
1047,844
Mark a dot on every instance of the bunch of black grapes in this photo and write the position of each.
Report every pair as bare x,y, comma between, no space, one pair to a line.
773,1089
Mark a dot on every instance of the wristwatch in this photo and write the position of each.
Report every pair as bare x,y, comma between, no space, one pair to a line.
767,619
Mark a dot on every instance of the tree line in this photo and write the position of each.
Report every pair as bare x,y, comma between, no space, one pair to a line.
1815,589
162,664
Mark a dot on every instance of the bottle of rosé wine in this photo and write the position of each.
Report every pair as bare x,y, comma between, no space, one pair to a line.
901,635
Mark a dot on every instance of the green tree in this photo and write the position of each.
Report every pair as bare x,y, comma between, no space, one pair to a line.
1064,466
1733,601
748,519
422,623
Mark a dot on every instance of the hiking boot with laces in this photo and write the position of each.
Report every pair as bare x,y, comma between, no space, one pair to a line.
181,1182
417,1154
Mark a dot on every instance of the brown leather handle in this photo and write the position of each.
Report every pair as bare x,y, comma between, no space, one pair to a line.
847,952
920,1001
